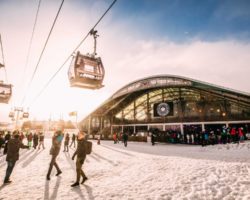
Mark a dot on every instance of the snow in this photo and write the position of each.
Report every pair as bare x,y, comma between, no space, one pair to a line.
116,172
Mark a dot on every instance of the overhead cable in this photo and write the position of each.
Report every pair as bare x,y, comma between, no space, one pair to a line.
77,47
34,72
31,39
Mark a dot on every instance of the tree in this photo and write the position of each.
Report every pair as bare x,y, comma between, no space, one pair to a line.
69,125
26,125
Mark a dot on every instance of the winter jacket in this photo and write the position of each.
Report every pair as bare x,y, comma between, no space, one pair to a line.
41,138
13,149
81,149
29,138
125,137
1,141
35,139
7,137
56,145
66,142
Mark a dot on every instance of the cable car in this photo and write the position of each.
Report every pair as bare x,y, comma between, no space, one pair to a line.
5,89
87,71
5,92
25,115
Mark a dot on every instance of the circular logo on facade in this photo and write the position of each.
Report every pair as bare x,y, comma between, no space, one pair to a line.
163,109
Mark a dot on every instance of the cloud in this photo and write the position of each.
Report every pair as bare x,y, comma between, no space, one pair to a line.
224,63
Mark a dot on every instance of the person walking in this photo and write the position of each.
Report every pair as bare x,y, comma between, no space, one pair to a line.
73,140
81,155
14,145
233,135
54,151
1,139
41,141
114,138
66,143
241,135
125,139
29,139
35,140
153,139
21,136
6,140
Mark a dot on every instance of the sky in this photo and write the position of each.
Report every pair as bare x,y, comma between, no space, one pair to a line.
204,40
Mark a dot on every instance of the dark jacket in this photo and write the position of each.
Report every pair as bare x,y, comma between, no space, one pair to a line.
125,137
35,138
66,141
13,149
41,138
81,149
7,137
56,145
1,141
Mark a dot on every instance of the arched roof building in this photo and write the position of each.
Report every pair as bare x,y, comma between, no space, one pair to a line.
169,102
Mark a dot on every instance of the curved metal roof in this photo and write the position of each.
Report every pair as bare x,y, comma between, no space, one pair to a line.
160,81
169,80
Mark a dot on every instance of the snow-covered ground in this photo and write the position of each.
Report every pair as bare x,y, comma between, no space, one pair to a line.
115,172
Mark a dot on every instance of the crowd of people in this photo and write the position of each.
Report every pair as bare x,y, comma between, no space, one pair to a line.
120,137
34,140
11,142
198,137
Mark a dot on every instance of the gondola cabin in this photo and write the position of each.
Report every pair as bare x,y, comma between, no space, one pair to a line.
25,115
5,92
86,71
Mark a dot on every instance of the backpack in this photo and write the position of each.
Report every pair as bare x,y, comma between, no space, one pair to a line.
88,147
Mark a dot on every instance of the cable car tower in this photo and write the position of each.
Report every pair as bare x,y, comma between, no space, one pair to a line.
87,71
5,89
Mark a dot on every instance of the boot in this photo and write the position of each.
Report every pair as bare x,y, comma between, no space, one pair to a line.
75,184
84,179
58,173
7,182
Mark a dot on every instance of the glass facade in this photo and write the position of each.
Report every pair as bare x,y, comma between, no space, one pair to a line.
133,107
190,104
